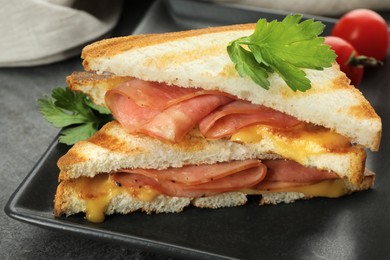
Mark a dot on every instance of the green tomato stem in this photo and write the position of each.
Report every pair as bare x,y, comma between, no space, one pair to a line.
363,61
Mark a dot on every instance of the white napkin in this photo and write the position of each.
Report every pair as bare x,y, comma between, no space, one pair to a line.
35,32
314,7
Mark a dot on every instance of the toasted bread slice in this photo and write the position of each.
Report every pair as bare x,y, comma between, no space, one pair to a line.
112,148
198,58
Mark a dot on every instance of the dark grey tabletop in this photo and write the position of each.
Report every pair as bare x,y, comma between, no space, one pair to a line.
24,137
350,228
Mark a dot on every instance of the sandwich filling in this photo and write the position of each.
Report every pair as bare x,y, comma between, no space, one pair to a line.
170,112
250,177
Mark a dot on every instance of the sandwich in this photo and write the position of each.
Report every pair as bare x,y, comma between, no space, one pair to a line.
190,128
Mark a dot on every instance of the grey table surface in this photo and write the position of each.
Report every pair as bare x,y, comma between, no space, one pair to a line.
25,136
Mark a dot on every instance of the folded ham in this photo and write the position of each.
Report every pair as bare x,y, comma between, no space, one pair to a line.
170,112
205,180
228,119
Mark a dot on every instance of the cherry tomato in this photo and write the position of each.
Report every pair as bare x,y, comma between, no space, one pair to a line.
345,53
366,30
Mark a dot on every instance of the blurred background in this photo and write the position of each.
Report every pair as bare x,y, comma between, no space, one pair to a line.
37,32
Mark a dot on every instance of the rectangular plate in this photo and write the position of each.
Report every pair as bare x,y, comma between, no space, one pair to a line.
352,227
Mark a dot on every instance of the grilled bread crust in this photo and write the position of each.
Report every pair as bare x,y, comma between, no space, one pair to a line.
94,85
198,58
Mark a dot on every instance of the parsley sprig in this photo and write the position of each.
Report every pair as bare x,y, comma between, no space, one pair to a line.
284,47
74,112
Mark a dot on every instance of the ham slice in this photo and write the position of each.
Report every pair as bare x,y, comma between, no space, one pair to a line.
136,102
229,118
218,179
170,112
197,174
206,180
165,112
175,122
286,173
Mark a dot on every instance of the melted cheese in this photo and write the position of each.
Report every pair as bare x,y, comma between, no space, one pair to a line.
147,194
96,208
329,189
97,193
296,143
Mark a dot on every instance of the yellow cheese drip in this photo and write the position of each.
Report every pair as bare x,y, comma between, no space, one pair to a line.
296,143
96,208
97,192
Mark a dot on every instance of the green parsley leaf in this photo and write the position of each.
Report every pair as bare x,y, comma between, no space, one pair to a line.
246,64
57,116
100,109
74,112
74,134
284,47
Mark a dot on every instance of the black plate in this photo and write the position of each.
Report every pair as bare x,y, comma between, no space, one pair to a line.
352,227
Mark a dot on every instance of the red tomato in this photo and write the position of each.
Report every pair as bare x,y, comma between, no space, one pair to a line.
345,51
366,30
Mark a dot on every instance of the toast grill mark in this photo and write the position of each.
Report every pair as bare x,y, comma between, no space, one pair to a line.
182,56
